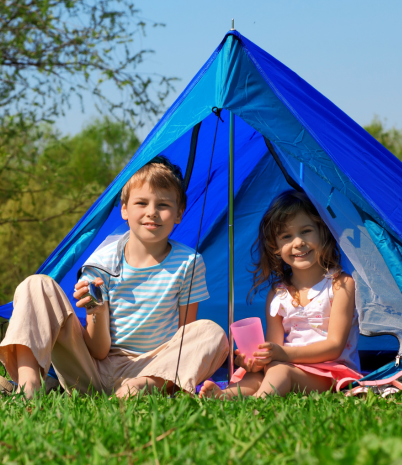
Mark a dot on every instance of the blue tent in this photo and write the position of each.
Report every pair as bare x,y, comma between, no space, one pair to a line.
351,178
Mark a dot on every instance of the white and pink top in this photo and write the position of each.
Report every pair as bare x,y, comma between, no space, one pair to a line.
305,325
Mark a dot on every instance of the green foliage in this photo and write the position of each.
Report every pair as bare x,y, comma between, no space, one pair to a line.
316,429
47,183
391,139
51,50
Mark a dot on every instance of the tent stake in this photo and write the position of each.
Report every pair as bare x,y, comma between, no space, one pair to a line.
230,245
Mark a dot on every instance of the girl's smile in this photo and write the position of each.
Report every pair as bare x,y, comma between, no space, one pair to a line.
299,242
301,255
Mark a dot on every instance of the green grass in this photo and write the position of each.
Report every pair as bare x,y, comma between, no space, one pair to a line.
316,429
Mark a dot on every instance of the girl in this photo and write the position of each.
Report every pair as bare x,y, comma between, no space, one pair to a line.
312,324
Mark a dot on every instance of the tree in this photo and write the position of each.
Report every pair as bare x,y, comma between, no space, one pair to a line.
54,185
42,165
51,50
391,139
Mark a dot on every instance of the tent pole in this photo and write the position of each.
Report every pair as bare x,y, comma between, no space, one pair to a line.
230,245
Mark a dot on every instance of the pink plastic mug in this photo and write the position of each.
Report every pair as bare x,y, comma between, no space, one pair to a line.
248,334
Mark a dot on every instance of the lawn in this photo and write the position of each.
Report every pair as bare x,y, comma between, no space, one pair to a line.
315,429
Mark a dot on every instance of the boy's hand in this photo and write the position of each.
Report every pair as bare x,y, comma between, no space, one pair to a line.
81,288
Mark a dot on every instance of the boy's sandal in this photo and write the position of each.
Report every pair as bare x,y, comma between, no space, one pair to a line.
8,387
5,386
52,384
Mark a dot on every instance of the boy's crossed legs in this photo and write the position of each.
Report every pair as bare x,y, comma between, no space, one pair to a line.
280,378
44,328
29,377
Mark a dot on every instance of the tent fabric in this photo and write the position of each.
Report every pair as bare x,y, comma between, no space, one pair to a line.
353,180
377,293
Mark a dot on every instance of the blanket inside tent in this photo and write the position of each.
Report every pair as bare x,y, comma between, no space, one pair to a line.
355,183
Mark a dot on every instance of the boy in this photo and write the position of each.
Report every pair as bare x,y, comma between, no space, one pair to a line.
131,340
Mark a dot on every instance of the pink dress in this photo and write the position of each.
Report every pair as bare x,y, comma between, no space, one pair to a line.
309,324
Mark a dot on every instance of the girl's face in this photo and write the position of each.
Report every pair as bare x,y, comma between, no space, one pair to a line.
299,242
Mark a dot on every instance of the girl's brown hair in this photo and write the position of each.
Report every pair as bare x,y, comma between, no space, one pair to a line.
269,268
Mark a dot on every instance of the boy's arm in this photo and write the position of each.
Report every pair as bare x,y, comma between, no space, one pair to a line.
195,284
96,335
191,314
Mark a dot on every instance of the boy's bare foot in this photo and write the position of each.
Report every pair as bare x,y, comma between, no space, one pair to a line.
28,371
125,392
133,386
29,389
212,390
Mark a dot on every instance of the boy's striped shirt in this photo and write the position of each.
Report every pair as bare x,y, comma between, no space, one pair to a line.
144,302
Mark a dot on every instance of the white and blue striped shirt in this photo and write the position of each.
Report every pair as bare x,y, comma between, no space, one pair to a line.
144,302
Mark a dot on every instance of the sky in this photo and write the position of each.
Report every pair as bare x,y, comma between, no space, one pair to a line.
350,51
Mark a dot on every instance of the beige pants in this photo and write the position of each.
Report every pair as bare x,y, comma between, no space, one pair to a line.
44,321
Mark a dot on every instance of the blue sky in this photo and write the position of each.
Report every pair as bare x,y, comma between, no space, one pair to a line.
349,50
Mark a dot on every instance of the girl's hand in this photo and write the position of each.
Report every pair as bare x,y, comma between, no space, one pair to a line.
250,366
269,351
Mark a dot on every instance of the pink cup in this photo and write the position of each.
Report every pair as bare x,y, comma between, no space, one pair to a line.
248,334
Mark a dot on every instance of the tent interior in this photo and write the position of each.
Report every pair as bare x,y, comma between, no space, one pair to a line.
352,180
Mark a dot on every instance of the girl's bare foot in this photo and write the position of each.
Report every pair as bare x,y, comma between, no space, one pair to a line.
248,386
210,389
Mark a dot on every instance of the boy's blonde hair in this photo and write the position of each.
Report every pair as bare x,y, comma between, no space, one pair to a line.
160,174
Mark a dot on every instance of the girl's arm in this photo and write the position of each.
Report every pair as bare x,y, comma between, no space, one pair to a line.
340,323
191,314
275,332
96,335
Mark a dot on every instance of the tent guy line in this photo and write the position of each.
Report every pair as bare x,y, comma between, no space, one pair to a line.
217,112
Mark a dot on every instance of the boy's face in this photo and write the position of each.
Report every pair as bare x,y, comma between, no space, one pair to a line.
151,215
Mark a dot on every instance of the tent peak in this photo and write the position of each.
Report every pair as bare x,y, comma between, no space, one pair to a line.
232,32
